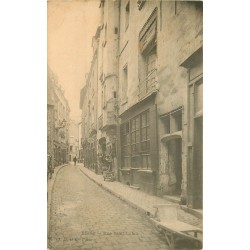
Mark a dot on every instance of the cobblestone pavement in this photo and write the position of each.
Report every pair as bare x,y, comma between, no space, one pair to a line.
142,200
84,216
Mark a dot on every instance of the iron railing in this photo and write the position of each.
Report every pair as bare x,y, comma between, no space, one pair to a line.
148,85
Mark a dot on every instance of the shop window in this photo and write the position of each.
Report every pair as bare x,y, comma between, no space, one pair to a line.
135,136
125,145
145,139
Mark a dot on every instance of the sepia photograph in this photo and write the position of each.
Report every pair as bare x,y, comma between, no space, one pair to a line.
124,124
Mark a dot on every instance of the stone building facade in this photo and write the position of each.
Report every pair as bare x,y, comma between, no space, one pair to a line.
88,105
58,121
73,140
150,90
50,117
80,149
99,120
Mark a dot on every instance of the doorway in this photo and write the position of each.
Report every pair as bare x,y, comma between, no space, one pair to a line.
198,162
175,166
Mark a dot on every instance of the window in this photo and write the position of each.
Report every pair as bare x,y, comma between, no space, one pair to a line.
166,123
124,83
140,4
177,116
127,10
148,83
150,69
145,140
172,121
135,136
198,97
105,38
125,146
148,56
135,142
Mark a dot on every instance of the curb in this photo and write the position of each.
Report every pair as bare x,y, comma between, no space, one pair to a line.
50,187
134,205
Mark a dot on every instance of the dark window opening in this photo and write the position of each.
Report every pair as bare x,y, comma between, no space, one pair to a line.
127,15
166,123
178,120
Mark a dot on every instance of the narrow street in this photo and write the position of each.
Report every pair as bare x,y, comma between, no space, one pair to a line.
84,216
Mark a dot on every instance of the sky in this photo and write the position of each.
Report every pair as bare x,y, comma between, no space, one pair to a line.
71,24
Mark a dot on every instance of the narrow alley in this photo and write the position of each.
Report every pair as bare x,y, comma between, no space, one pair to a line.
84,216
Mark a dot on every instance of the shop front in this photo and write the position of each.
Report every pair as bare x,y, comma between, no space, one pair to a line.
195,129
139,154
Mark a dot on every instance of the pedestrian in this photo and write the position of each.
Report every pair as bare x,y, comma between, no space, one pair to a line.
75,159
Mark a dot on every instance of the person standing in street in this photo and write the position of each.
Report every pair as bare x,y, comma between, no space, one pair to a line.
75,160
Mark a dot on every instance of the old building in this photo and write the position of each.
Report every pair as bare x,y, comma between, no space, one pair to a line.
73,140
155,105
59,117
98,97
61,112
149,95
50,116
88,105
107,111
80,148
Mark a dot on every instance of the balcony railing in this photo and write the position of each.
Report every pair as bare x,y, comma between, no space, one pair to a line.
148,85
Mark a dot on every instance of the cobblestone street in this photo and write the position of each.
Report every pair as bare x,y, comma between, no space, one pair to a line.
84,216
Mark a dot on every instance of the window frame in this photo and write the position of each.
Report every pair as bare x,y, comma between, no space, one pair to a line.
132,149
127,15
